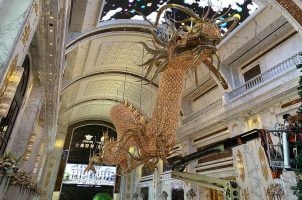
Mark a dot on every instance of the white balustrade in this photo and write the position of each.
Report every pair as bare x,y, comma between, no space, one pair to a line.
276,71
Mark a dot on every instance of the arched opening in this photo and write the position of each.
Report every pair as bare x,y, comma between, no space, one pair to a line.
7,124
82,139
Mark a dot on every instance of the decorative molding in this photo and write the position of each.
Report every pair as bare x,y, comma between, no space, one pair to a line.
26,33
36,7
263,163
245,194
240,165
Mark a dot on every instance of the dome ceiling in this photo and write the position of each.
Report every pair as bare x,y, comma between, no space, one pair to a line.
102,72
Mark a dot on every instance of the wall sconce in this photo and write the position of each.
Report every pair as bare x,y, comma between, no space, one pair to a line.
9,89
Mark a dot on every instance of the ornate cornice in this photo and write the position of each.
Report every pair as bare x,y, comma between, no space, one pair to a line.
293,9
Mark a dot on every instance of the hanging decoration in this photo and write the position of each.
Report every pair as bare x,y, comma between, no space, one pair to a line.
26,183
180,47
8,165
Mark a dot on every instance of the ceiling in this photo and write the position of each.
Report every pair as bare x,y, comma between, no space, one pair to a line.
103,71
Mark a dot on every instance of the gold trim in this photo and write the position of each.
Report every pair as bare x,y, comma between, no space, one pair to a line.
26,33
36,8
263,163
240,165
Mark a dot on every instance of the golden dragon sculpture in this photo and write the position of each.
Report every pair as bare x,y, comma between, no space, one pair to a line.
186,45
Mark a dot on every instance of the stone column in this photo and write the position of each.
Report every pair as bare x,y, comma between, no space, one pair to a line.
253,171
49,174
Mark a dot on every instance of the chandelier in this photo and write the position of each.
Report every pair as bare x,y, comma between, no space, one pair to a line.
182,47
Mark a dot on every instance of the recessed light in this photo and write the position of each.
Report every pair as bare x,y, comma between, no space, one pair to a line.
50,54
50,30
50,44
51,17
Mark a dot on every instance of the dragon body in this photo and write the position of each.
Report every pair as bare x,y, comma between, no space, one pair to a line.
145,142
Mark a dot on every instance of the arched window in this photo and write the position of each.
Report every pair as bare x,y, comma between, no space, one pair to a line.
7,123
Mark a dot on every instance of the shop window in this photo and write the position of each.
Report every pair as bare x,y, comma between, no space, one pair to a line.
7,123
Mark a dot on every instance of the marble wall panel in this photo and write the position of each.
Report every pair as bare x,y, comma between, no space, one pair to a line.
253,172
27,123
18,22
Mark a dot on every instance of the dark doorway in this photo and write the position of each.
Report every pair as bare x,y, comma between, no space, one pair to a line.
178,194
145,192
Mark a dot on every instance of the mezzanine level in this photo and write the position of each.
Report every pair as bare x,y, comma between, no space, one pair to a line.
265,87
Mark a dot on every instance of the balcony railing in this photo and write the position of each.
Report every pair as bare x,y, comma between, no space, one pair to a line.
211,107
281,68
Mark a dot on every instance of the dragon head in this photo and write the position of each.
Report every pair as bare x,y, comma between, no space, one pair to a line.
197,36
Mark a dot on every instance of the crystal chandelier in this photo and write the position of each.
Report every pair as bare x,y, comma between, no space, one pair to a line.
186,45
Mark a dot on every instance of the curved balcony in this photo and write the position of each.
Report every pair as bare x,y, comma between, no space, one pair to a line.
272,83
287,66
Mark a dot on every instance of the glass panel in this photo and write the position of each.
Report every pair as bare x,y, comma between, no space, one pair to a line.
117,9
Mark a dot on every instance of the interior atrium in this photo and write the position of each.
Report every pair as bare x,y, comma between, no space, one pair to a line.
150,99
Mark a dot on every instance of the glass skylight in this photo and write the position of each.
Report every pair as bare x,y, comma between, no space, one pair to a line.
125,9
